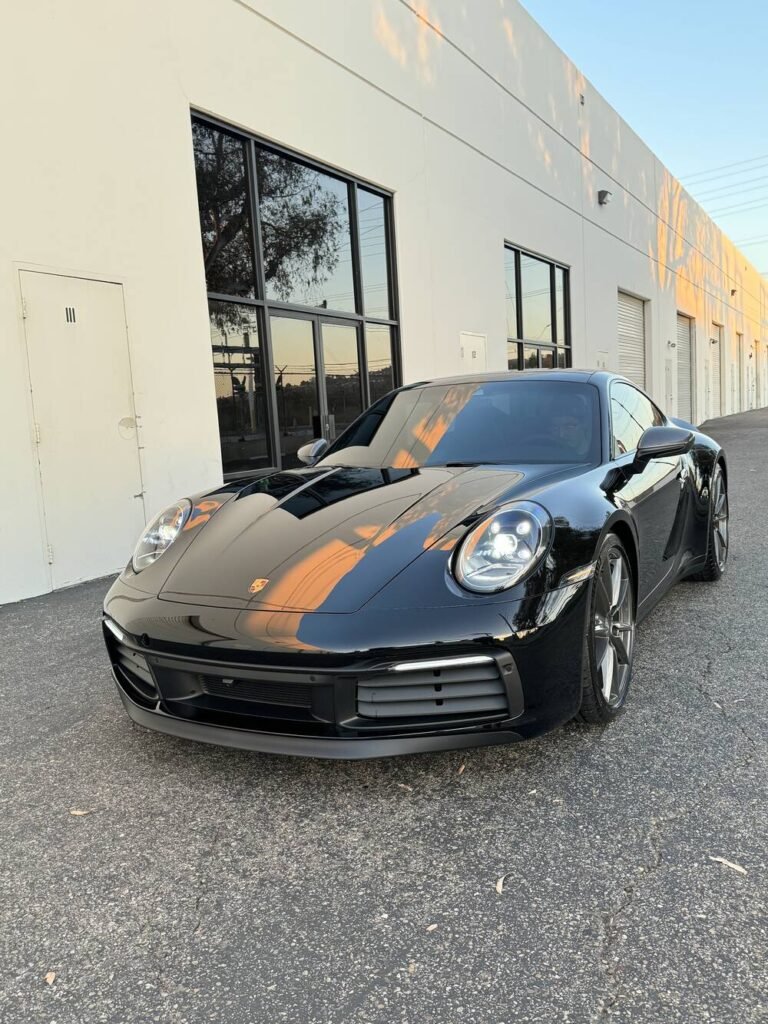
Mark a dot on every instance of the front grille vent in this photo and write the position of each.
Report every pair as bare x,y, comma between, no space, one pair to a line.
294,695
134,667
433,692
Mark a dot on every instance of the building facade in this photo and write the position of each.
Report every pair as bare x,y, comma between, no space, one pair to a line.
231,224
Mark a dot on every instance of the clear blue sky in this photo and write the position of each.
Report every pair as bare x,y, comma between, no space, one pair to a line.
691,78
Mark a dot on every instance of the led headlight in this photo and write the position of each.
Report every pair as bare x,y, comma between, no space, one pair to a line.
160,534
504,548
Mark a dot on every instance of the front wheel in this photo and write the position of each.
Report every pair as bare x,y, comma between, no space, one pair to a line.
610,637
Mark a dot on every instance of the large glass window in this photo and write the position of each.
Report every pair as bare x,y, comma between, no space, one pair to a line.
374,253
225,218
305,233
238,373
538,328
299,267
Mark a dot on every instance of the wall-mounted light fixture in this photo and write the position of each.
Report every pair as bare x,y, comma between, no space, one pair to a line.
604,197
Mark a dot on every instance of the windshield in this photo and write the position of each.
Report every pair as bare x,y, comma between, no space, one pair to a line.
505,422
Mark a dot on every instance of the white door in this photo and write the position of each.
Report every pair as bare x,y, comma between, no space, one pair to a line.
473,352
632,338
684,350
715,361
85,424
755,376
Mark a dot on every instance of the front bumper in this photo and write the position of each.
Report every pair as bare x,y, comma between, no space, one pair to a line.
240,679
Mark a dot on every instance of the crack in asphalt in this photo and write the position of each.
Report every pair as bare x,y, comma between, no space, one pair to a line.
608,920
609,928
203,878
721,707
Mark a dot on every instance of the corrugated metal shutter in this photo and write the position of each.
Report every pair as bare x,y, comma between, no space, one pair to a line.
684,407
632,338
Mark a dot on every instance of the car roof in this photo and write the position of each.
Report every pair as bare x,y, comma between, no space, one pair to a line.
576,376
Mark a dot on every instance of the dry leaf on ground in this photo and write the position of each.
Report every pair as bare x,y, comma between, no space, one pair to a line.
729,864
50,977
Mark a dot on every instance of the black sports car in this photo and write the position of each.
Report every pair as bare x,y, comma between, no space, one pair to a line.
466,564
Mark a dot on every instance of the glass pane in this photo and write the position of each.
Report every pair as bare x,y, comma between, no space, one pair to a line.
305,232
511,289
560,305
225,219
632,413
341,366
530,357
562,360
548,358
378,344
513,355
536,299
298,417
373,254
240,387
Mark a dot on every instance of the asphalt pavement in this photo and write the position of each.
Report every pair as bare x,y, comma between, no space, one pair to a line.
145,879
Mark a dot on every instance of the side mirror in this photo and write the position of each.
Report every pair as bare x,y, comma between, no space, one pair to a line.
663,443
310,453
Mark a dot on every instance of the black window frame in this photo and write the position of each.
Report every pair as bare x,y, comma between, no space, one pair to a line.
561,337
266,307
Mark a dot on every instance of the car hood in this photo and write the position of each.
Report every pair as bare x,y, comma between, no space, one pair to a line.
330,538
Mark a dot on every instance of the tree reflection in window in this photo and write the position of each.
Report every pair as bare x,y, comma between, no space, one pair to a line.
225,220
305,234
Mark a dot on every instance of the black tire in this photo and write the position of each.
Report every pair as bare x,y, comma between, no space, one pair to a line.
717,534
609,641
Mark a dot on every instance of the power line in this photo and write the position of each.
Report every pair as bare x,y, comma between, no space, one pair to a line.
756,241
737,209
732,187
722,167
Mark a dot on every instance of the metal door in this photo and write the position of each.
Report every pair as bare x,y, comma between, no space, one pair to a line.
684,367
84,424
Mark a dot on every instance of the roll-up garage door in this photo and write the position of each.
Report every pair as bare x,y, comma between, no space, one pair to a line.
684,408
632,338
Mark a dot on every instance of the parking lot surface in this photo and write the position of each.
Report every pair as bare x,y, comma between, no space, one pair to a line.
144,878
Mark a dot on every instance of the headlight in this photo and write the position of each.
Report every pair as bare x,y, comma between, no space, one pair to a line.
160,534
504,548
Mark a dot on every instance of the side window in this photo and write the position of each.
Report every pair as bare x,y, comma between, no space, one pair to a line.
631,415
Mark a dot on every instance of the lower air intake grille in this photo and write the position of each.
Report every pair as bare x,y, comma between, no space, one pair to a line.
433,692
288,694
136,671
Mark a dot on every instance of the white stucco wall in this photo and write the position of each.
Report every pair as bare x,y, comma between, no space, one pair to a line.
468,113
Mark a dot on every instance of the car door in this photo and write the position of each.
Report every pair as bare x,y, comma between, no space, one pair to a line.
655,496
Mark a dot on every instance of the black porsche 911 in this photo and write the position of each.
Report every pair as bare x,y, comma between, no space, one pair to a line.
466,564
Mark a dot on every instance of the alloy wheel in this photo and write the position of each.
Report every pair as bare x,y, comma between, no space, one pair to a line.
720,520
614,626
